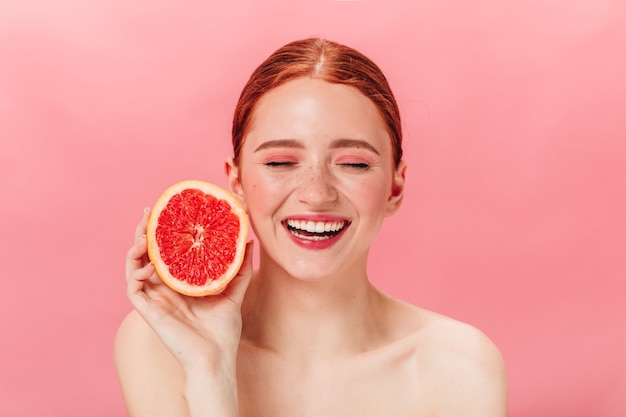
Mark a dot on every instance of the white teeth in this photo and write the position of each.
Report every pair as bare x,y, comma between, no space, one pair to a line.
315,227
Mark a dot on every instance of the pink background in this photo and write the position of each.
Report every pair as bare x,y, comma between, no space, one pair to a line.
515,128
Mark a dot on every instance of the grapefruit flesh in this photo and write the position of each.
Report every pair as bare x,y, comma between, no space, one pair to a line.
197,236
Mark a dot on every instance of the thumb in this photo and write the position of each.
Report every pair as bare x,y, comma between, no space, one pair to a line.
236,289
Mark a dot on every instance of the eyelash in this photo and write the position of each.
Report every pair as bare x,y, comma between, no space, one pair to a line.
278,163
357,165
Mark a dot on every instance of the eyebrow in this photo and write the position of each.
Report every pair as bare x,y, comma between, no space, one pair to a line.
337,144
353,143
280,143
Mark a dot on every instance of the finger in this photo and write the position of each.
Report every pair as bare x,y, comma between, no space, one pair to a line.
141,227
145,273
236,289
136,283
136,255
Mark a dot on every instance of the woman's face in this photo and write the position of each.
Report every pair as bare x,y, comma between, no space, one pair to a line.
316,175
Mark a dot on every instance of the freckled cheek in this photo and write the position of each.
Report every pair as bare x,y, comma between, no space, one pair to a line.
370,194
261,190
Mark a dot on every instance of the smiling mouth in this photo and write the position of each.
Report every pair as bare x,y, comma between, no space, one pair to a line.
310,230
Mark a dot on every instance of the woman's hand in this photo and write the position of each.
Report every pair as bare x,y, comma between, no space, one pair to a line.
201,332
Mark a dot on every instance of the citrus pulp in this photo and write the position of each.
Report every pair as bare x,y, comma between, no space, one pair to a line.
196,237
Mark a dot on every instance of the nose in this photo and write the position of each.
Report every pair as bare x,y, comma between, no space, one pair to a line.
317,188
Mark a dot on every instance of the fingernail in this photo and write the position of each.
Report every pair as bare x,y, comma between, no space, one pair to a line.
142,236
146,209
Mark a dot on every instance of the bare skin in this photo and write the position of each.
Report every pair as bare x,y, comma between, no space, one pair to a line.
426,365
306,334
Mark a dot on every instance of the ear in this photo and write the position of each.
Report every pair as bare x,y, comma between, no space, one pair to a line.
233,177
397,189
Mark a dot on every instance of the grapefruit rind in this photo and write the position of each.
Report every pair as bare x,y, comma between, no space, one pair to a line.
213,286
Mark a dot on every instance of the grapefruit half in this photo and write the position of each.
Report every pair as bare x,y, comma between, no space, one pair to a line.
196,237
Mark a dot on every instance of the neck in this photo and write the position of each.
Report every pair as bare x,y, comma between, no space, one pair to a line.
339,315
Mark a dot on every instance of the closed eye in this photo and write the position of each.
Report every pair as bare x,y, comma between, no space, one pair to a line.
278,163
355,160
356,165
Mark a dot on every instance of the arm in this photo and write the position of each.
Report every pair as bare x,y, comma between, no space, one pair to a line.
151,379
155,384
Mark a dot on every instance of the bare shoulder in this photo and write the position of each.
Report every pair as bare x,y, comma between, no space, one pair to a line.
462,365
452,339
150,377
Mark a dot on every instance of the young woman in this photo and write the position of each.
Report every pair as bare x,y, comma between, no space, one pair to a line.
317,146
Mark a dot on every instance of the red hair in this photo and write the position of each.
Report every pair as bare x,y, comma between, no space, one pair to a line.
324,60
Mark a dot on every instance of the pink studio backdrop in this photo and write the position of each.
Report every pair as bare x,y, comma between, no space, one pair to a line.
515,128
